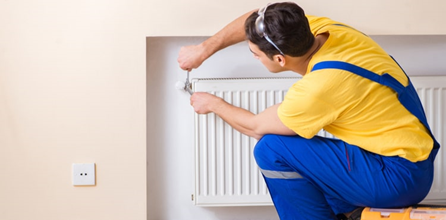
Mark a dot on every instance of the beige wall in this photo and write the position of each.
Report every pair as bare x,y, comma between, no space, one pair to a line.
72,90
379,17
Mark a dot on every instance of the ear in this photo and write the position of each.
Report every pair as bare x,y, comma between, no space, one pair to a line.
280,59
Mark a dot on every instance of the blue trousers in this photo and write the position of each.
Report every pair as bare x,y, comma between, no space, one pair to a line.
320,177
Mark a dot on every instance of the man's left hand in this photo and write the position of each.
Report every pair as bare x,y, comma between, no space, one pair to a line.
204,103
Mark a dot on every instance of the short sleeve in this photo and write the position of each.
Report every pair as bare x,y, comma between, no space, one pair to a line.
305,109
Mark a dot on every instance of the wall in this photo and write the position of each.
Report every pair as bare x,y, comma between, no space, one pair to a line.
170,118
170,130
72,90
379,17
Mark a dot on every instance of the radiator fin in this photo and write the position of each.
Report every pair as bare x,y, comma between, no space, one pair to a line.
432,93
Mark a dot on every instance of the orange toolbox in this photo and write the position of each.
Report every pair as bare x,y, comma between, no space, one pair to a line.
408,213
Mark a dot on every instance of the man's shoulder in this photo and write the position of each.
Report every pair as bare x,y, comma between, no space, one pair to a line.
317,23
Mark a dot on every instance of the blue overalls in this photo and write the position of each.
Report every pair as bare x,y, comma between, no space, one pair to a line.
320,177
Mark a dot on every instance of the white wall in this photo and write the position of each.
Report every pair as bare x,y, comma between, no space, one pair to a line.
170,130
170,134
417,54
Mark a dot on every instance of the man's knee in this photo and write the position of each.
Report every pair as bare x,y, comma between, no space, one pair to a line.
263,151
263,144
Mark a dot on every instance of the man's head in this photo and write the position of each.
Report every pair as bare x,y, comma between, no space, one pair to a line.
280,28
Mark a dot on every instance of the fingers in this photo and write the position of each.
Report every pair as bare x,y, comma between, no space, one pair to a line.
184,58
191,102
190,57
192,99
200,102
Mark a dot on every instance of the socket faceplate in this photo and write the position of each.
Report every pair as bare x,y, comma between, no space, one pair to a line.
84,174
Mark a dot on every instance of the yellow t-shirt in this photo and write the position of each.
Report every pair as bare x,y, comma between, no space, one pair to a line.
356,110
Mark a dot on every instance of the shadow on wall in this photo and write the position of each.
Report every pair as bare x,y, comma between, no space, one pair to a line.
156,179
419,54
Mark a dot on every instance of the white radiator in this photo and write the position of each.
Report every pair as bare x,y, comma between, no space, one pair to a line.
432,92
226,173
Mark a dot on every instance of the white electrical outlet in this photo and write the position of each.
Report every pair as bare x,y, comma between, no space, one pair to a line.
84,174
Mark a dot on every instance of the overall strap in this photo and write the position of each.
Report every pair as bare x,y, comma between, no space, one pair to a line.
407,96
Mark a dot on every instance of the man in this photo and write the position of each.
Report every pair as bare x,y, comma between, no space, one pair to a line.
352,89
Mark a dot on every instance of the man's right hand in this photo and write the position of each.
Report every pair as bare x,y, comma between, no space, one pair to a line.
191,57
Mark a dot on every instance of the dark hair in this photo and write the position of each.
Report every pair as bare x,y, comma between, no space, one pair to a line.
286,25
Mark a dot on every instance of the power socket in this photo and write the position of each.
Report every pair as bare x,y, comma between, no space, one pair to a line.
84,174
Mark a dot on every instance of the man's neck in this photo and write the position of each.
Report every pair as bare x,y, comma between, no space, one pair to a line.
300,64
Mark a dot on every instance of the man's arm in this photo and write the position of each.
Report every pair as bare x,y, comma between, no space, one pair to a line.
191,57
244,121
